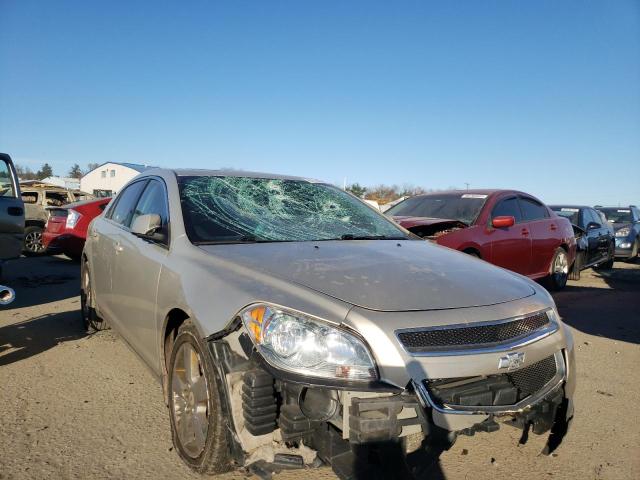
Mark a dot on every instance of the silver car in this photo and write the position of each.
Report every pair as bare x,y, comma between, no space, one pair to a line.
292,324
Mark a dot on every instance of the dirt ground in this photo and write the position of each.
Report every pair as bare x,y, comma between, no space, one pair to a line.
78,406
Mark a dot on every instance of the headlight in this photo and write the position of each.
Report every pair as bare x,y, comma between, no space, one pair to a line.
623,232
297,343
72,218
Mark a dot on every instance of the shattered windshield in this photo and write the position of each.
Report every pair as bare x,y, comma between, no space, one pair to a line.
242,209
464,207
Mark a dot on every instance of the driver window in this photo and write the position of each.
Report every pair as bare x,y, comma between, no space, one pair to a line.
508,208
153,200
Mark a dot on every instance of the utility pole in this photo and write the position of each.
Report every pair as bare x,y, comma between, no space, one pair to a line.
467,184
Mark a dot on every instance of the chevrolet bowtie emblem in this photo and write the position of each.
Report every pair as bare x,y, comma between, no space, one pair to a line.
511,361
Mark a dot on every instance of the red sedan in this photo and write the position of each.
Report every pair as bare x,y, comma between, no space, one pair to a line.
507,228
66,229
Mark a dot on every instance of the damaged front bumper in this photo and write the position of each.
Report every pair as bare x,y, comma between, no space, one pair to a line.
275,419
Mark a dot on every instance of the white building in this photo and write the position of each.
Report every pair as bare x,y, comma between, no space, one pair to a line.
107,179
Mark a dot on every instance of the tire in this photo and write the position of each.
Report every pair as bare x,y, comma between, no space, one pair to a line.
73,256
198,426
574,272
472,253
608,265
90,319
558,270
33,241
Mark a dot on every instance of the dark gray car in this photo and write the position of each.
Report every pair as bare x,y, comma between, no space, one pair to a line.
11,219
287,321
626,223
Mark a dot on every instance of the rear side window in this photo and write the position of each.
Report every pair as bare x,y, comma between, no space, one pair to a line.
153,200
507,208
532,210
56,199
30,197
122,211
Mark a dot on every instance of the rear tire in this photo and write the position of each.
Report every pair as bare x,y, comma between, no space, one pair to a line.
574,272
33,241
558,271
198,426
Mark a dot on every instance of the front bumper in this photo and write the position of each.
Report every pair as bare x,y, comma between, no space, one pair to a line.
624,248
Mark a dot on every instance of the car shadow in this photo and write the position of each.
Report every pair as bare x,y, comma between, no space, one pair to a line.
28,338
40,280
611,311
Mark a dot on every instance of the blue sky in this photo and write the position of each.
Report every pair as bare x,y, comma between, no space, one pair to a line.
538,96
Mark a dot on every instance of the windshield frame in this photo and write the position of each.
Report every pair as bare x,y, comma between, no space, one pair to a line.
398,232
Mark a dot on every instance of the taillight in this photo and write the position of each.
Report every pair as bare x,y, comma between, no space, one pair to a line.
72,218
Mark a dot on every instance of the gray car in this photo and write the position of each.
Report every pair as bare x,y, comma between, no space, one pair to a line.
290,323
11,220
626,223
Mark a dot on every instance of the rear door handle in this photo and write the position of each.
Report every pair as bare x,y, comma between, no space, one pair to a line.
553,227
525,232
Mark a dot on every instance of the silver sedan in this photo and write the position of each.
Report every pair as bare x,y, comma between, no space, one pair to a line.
292,324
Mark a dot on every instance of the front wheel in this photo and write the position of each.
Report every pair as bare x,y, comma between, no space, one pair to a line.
198,426
90,319
559,271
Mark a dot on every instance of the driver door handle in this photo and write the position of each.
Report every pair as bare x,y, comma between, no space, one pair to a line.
118,247
525,232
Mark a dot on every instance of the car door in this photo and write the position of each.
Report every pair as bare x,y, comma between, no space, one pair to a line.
545,236
602,235
138,264
105,232
510,247
11,211
591,236
597,235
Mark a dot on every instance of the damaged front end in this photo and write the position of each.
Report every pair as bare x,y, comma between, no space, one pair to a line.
293,403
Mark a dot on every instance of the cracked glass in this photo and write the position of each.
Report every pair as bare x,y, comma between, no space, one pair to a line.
229,209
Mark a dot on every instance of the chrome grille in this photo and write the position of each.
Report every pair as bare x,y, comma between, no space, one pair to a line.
457,337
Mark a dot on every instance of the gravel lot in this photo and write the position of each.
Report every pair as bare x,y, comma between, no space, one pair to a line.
77,406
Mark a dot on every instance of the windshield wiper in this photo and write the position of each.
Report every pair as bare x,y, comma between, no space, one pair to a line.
239,239
350,236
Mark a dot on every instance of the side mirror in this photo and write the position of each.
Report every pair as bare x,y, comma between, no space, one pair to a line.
147,226
593,225
503,222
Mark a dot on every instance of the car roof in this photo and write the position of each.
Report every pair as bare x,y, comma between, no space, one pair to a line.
474,191
195,172
565,205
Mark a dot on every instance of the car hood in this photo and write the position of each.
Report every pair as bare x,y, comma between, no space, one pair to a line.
382,275
408,222
618,226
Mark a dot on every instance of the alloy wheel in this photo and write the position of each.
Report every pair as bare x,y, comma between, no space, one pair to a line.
190,400
560,267
33,242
